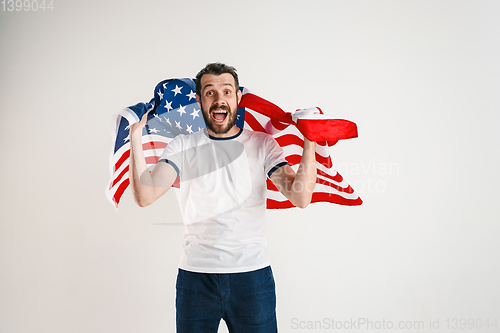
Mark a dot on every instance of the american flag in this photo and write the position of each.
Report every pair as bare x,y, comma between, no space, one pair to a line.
175,111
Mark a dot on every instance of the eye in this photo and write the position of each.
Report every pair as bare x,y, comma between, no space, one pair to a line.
227,92
210,93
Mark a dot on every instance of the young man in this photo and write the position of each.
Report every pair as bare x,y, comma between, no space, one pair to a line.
224,271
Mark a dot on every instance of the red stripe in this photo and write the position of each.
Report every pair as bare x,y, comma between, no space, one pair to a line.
335,198
117,179
325,161
327,129
278,124
153,145
270,185
265,107
273,204
119,191
337,178
293,159
289,139
152,159
316,197
348,189
123,158
253,123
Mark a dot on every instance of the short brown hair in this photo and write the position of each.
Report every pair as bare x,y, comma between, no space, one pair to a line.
216,68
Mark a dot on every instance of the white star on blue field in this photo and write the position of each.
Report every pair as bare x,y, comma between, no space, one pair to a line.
177,111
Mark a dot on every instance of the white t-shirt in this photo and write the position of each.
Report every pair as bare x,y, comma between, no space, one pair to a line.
223,198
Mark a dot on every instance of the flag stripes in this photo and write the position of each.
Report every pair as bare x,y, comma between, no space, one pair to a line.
257,114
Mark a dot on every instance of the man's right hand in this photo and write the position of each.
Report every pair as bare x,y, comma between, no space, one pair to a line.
146,186
140,125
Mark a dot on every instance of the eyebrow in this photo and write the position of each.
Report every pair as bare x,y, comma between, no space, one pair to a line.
211,85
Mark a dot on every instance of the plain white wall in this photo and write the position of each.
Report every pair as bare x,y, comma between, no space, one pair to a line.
420,78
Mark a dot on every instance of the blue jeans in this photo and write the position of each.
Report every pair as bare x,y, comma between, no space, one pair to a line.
246,301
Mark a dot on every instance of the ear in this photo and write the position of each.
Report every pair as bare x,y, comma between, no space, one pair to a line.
198,100
238,96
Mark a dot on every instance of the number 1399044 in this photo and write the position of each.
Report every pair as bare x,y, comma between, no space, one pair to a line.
27,5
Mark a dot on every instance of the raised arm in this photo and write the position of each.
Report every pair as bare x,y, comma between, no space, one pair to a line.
146,186
298,187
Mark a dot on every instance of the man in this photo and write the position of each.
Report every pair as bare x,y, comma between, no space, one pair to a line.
224,271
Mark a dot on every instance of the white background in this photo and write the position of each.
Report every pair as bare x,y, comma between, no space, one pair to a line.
420,78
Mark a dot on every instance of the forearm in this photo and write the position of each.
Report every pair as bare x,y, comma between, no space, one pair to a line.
305,179
141,181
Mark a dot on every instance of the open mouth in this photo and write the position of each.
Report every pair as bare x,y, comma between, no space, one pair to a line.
219,115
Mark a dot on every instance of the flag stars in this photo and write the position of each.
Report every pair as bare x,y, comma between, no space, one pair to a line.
160,94
189,129
153,130
195,113
177,90
168,121
178,125
192,94
182,109
168,105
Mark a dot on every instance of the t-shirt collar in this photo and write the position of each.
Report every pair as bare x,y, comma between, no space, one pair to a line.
227,138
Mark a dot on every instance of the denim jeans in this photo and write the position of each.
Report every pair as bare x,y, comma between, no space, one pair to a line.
246,301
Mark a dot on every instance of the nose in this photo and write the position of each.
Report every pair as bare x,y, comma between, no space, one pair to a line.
219,98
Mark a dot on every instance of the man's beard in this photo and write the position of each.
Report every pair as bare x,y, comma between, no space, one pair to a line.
233,116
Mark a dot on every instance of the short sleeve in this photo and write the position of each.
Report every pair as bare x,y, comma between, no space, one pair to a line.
172,154
275,157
